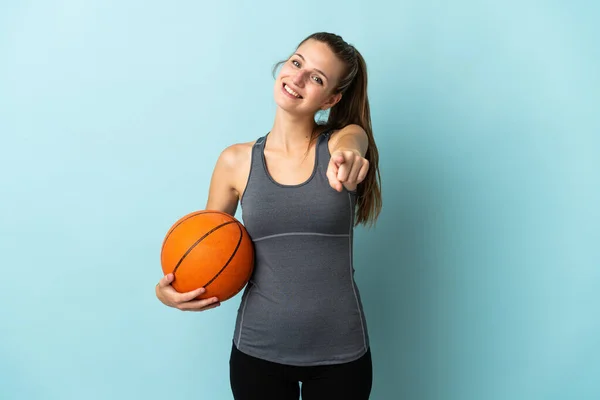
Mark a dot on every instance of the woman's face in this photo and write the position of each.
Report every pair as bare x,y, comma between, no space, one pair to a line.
307,80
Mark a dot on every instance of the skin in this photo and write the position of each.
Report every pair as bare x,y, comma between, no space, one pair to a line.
313,72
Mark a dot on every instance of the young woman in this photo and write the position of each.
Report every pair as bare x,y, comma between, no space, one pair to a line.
303,187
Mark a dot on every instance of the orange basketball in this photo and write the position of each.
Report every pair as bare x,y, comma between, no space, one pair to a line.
208,249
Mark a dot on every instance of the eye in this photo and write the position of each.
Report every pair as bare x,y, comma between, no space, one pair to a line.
296,63
318,80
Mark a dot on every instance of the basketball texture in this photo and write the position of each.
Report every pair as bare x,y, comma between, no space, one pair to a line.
209,249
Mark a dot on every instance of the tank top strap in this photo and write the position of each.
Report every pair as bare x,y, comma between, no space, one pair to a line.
257,155
257,150
323,154
257,171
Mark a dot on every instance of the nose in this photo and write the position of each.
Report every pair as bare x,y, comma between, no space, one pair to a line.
300,78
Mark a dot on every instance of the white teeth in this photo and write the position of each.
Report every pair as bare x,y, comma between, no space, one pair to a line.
290,91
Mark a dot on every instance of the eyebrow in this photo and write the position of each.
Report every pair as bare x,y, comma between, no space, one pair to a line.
318,70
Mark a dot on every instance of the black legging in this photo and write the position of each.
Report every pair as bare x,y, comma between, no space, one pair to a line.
255,379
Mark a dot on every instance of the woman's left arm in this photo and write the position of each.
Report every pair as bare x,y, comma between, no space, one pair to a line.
348,165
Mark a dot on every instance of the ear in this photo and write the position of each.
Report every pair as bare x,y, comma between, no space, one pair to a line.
332,101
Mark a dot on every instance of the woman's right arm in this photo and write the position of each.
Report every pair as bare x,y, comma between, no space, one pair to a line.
222,196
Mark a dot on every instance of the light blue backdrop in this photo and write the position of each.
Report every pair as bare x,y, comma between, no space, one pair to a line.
481,280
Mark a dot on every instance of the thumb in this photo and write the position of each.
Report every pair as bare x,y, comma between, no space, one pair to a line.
166,280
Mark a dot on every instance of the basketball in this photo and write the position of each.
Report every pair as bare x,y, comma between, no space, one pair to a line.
209,249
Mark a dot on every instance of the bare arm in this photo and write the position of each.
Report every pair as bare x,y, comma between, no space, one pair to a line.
350,138
222,193
231,169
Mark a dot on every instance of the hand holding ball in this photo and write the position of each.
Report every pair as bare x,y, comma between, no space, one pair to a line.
208,249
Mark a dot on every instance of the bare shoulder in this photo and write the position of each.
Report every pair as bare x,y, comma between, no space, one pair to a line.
229,177
234,165
236,156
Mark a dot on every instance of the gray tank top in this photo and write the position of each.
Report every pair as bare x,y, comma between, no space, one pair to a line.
301,305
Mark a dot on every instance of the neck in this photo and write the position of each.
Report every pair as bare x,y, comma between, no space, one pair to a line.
291,131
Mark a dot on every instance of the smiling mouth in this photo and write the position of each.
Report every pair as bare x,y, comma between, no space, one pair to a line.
291,91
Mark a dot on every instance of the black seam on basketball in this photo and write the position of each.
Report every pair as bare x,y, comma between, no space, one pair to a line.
176,225
230,258
247,279
172,229
198,241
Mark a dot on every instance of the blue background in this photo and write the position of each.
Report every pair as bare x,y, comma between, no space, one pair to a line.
481,279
